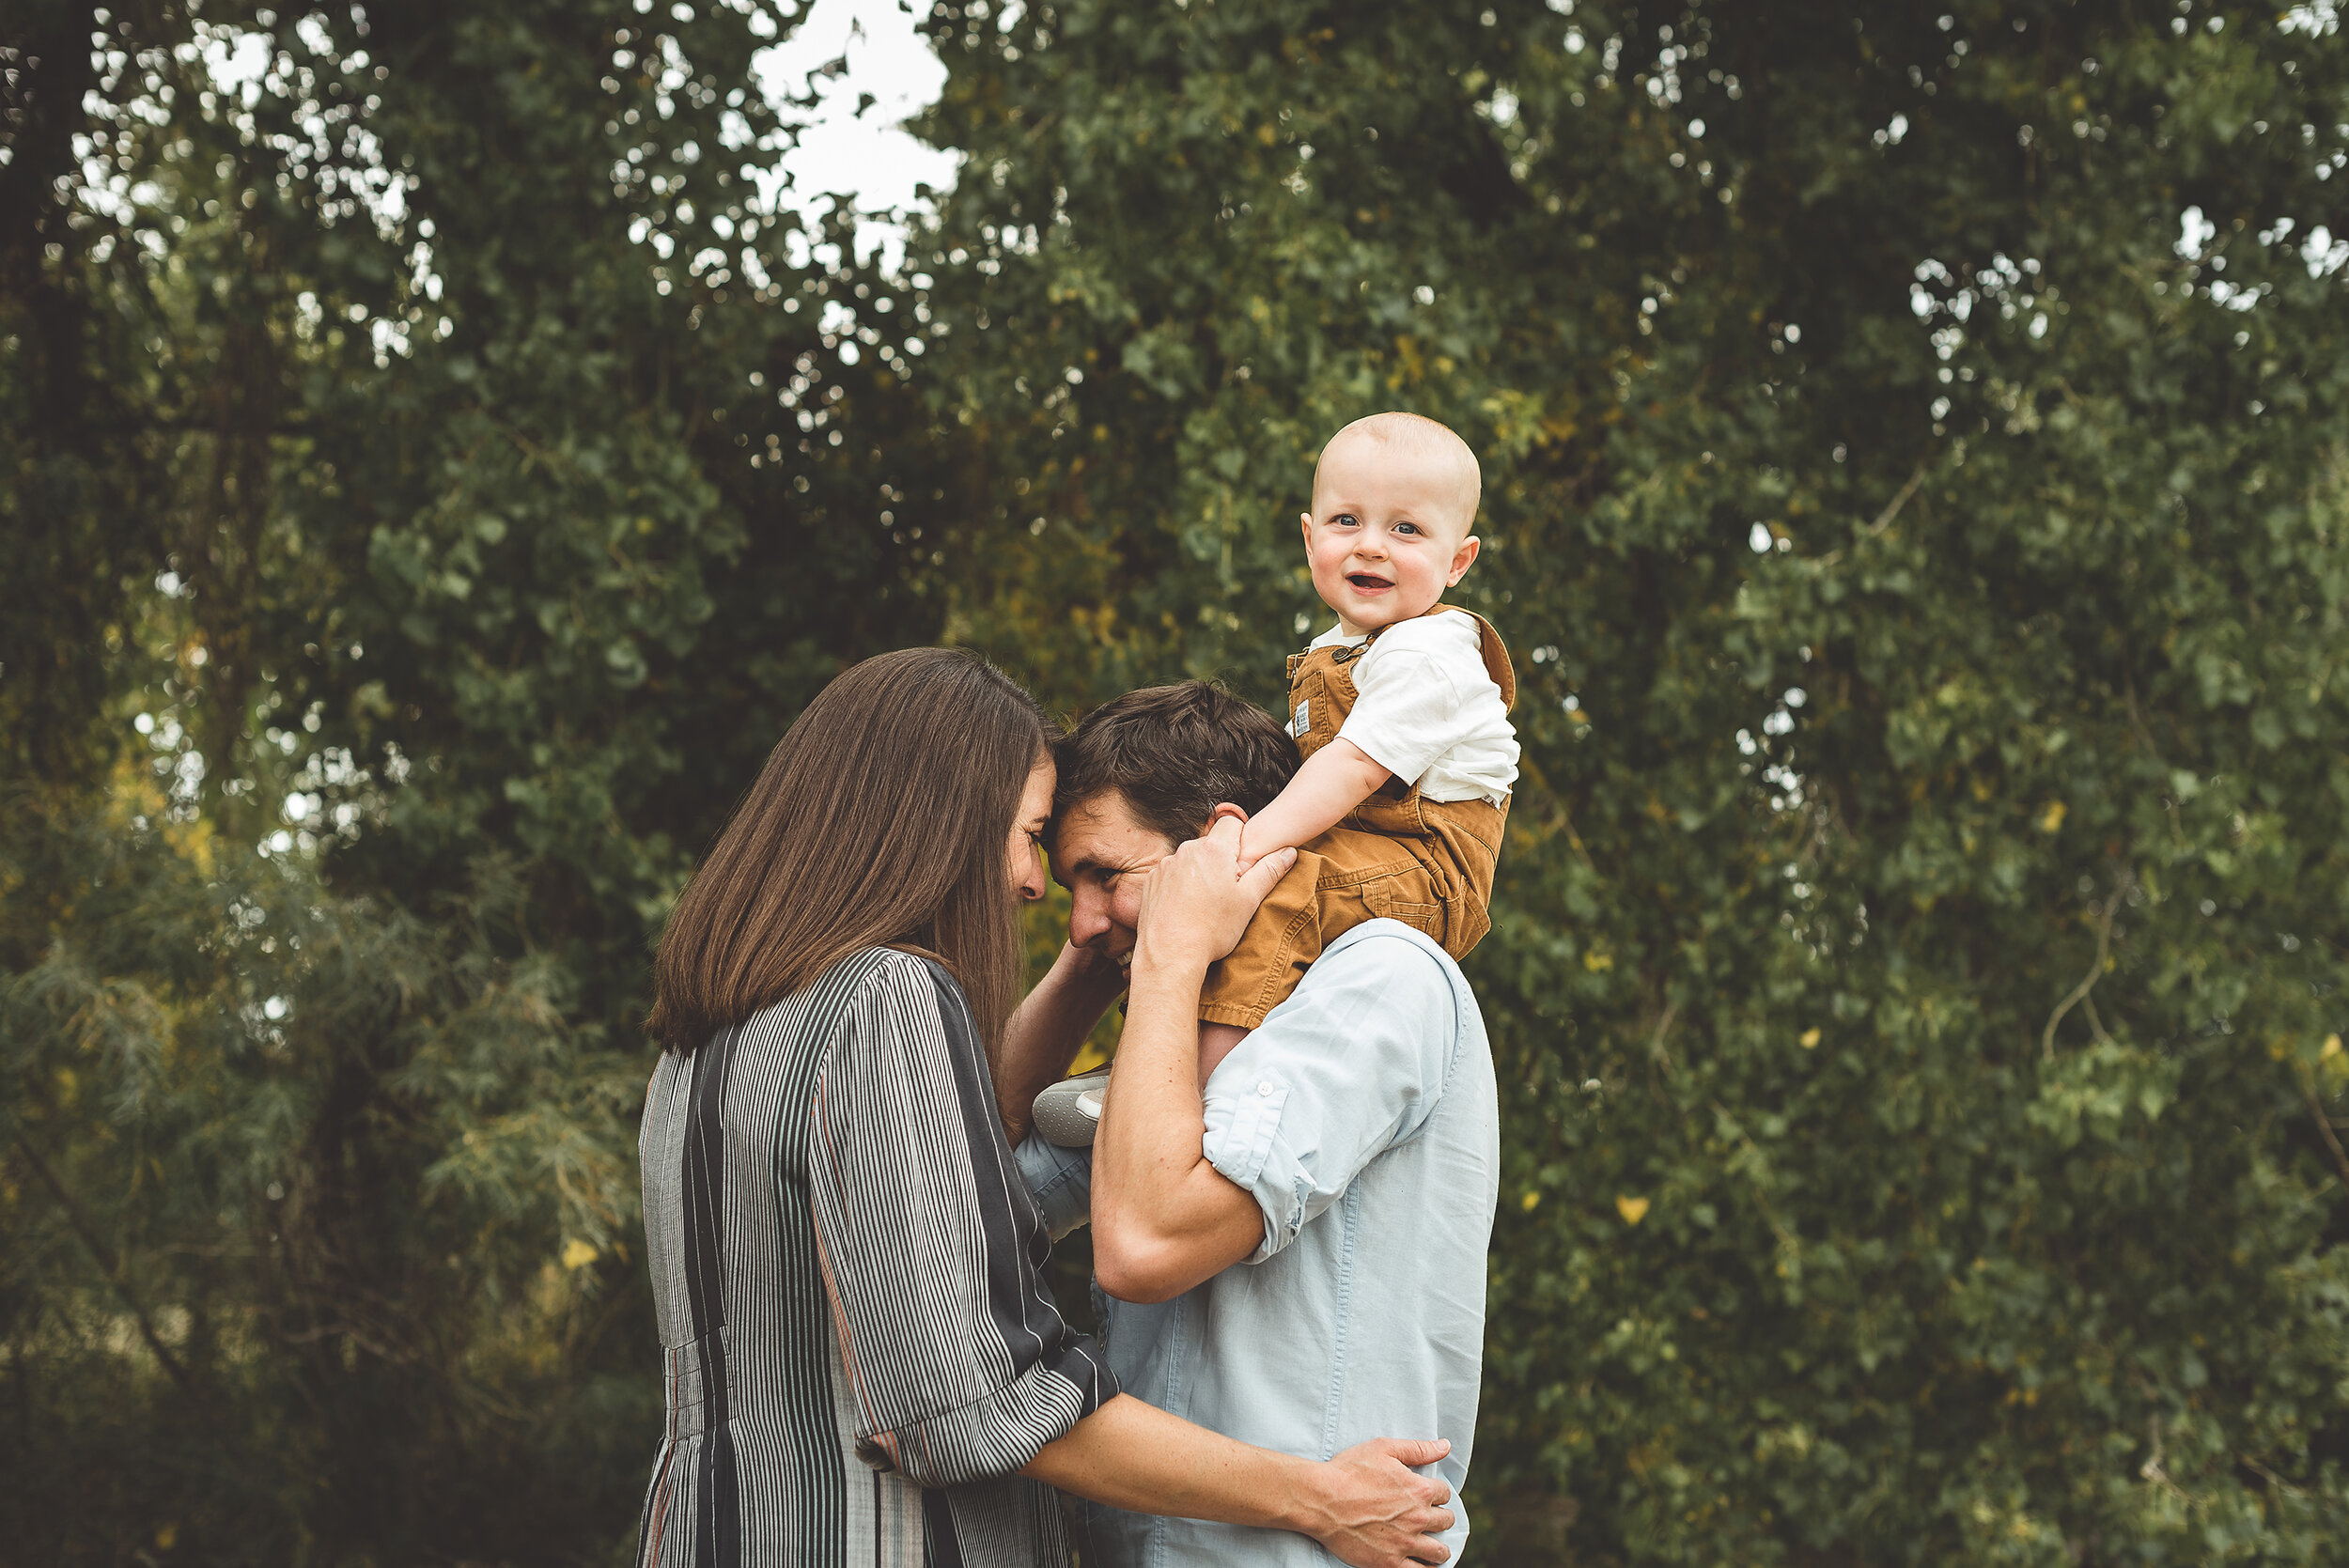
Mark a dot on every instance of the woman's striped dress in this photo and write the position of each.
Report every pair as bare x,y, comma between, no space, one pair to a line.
859,1348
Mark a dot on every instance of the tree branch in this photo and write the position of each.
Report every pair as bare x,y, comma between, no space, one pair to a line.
108,1263
1900,499
2324,1125
2087,983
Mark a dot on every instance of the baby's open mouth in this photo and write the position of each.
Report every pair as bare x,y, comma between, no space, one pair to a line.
1366,583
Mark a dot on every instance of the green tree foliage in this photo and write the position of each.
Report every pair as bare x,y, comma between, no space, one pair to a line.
422,423
432,472
1916,977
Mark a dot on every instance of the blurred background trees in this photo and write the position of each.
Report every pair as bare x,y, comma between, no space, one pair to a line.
436,466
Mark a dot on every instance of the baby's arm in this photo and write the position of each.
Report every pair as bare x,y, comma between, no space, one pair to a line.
1334,781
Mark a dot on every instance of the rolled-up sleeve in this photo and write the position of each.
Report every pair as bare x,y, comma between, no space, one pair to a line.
932,1244
1350,1065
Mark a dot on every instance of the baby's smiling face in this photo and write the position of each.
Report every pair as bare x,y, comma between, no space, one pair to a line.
1389,531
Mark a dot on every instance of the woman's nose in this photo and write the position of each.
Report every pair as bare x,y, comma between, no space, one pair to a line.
1032,886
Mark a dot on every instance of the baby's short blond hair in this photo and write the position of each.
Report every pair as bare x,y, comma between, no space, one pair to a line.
1416,438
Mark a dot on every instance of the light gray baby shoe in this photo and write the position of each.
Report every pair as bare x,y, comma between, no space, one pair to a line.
1069,1113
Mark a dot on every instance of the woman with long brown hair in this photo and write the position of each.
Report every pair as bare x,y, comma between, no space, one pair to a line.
863,1364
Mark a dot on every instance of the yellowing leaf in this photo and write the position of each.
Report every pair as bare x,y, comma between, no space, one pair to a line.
577,1254
2330,1049
1595,960
2052,818
1632,1209
1531,1201
1809,1039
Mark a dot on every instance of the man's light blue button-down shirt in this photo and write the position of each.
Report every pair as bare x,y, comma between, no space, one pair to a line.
1362,1117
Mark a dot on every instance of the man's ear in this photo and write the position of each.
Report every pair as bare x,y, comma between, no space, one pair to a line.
1462,559
1237,814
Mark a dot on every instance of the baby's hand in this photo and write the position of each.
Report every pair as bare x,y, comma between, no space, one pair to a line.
1253,847
1253,840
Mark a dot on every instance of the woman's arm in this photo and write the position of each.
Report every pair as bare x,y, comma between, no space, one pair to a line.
1365,1506
957,1362
1045,1030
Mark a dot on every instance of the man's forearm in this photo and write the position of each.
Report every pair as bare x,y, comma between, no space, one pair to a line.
1045,1030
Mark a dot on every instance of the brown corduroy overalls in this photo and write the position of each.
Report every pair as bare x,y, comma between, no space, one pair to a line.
1397,856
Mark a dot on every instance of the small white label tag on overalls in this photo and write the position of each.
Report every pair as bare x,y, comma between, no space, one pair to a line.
1300,726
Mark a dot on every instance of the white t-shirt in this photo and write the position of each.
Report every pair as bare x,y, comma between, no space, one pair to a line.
1426,711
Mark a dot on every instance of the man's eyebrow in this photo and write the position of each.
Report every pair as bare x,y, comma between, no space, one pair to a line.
1093,863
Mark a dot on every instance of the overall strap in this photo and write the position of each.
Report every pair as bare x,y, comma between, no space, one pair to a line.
1495,655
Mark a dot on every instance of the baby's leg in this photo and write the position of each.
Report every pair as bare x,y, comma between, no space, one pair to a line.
1216,1041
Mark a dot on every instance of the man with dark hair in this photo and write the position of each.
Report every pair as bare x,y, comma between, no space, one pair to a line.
1174,753
1347,1152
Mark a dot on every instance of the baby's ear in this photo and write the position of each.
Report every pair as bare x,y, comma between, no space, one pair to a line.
1462,559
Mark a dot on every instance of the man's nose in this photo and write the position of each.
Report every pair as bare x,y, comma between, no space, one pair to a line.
1087,922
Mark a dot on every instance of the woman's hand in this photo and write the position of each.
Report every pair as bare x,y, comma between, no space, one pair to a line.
1375,1512
1090,972
1197,902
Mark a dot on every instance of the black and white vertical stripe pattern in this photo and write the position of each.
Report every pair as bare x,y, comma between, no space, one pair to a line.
859,1351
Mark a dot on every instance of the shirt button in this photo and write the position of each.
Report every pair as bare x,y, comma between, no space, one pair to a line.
1265,1088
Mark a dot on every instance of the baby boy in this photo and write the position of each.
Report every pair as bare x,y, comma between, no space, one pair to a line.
1402,711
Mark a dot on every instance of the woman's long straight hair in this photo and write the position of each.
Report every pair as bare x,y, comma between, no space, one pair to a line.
882,818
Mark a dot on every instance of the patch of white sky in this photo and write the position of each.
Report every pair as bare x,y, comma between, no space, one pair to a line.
846,80
867,69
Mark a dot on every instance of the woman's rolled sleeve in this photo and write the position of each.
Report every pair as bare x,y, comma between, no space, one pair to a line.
953,1351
